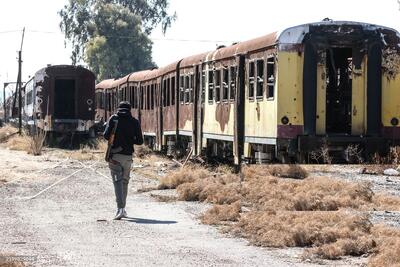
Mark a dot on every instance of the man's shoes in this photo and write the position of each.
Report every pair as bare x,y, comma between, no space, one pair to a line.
124,214
119,214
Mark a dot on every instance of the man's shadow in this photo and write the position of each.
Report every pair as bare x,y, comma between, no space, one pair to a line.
146,221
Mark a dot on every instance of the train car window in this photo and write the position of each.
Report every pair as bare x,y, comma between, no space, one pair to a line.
187,89
210,85
232,84
270,77
218,85
29,97
147,97
164,93
141,92
135,97
101,102
173,90
251,80
131,97
260,79
152,100
191,96
109,101
203,86
181,89
225,84
168,92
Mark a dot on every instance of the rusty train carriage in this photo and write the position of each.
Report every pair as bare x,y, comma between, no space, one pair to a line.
280,96
60,99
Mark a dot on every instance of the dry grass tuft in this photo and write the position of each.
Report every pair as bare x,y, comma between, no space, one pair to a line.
19,143
83,154
186,174
388,250
286,171
222,213
7,131
37,142
331,234
10,261
142,151
393,157
223,189
311,194
386,202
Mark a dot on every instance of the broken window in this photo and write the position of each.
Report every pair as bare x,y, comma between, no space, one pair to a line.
210,85
173,91
225,84
168,101
218,85
191,89
203,86
133,96
141,92
232,85
270,77
260,79
164,94
181,89
251,80
148,97
152,96
187,89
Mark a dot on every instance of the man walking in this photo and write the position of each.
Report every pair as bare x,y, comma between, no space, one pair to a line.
127,133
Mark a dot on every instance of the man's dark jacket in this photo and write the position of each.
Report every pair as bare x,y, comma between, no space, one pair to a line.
127,134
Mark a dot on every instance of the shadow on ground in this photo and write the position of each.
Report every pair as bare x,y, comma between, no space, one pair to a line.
147,221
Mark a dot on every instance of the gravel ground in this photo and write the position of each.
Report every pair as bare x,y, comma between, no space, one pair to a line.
379,184
70,225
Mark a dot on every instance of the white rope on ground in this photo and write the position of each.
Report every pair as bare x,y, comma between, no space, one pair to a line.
36,172
59,181
94,170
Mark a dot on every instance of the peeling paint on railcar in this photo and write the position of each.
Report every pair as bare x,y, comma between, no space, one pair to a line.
185,115
391,62
222,115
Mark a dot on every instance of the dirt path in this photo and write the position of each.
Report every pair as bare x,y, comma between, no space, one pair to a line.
69,225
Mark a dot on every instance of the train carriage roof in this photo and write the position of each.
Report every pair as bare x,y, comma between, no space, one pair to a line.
193,60
296,34
105,84
289,36
139,75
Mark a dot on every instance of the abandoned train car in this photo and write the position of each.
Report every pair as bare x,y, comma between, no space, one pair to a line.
328,84
60,99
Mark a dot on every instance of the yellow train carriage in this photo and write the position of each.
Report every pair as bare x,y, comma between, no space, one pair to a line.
337,84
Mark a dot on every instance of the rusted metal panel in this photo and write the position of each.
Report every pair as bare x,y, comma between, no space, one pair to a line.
259,43
104,84
193,60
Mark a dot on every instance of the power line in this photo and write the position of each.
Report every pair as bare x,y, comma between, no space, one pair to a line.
134,37
11,31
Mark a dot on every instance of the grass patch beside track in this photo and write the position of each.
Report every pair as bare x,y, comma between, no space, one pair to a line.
280,206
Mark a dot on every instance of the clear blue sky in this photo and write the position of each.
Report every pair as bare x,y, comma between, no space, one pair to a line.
207,23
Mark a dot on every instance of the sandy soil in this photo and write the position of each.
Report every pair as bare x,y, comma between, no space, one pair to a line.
70,224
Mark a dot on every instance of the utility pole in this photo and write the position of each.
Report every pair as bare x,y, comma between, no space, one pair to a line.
19,84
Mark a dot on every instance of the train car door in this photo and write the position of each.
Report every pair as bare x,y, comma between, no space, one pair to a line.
341,89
